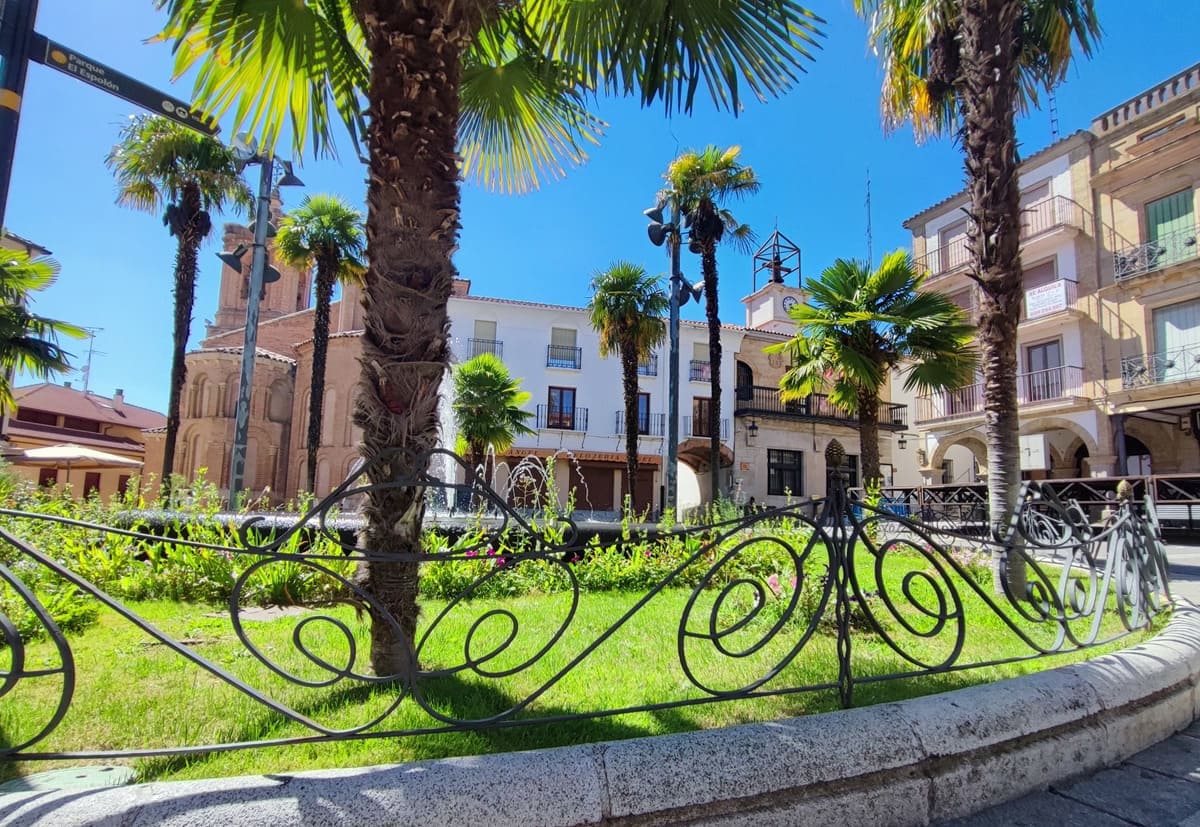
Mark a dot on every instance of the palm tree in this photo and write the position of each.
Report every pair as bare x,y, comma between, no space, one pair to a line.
970,66
858,326
699,182
492,89
488,408
325,232
626,309
28,342
162,166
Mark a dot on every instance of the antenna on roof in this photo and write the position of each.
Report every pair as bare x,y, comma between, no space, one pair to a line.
86,371
870,254
1053,116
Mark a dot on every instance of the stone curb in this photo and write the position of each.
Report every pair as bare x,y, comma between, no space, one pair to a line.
905,763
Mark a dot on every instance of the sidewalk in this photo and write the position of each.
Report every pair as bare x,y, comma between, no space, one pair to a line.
1158,787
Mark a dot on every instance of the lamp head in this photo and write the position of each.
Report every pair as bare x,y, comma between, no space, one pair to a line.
657,232
902,442
288,179
691,291
655,214
270,275
233,258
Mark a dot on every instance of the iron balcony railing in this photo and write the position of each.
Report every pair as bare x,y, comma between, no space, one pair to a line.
650,366
1167,249
562,419
478,346
564,356
697,426
1032,388
648,424
699,371
1036,219
1174,365
760,400
1049,299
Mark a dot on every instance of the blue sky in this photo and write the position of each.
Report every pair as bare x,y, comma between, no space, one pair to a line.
811,149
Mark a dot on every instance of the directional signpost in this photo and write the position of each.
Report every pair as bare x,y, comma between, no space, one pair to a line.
19,44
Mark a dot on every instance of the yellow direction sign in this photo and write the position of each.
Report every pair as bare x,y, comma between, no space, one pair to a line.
70,62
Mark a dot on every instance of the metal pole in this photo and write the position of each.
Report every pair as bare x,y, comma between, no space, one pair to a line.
258,265
673,239
16,36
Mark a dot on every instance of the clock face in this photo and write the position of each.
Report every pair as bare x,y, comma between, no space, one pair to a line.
788,303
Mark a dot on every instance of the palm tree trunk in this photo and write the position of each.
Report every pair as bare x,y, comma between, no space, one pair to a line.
412,229
868,436
186,254
989,90
708,265
326,274
629,379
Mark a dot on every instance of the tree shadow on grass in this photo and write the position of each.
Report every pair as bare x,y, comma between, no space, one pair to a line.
469,703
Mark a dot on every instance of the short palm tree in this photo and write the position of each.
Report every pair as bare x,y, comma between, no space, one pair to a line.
626,309
969,66
488,408
858,326
326,233
28,342
493,89
700,183
161,166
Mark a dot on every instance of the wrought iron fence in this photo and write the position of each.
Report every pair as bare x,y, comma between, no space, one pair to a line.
1169,248
858,574
1174,365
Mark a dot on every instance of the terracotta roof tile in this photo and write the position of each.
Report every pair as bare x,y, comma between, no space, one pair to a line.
75,402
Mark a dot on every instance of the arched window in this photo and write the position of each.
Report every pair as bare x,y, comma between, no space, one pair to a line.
745,381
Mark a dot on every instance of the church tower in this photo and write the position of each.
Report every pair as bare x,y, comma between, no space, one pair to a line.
291,293
776,261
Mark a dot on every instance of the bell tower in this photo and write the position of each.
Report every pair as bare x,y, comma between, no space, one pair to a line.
776,262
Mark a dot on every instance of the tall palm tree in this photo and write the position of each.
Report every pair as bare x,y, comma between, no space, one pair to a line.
494,89
626,309
858,326
162,166
488,408
700,183
969,66
324,232
28,342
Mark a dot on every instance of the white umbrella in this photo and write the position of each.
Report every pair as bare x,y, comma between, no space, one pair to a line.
69,454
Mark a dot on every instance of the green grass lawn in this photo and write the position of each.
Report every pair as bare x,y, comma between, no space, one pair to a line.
134,693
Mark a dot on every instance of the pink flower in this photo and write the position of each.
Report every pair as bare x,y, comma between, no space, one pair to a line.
773,582
793,583
471,553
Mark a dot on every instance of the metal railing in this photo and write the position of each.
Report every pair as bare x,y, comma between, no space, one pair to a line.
562,419
699,371
478,346
764,400
564,356
1167,249
1174,365
648,425
697,426
1032,388
763,594
650,366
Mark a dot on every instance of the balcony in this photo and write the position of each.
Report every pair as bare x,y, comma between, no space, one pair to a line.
564,356
478,346
699,371
562,419
1175,365
697,426
1049,214
1170,248
649,367
648,424
1033,388
764,401
1049,299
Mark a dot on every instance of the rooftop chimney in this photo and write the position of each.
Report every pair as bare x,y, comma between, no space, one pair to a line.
118,400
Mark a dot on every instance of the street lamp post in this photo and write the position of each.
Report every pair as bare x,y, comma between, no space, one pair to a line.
681,291
258,276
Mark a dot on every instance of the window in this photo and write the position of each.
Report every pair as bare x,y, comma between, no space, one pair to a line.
952,246
701,405
1045,377
91,483
1177,342
563,352
785,472
561,408
643,413
484,340
78,423
1171,229
48,477
122,484
700,370
1036,208
851,467
745,381
39,417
